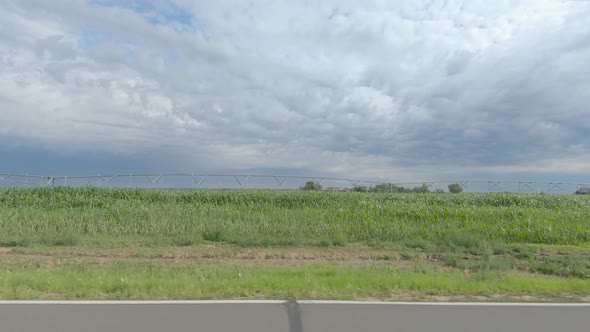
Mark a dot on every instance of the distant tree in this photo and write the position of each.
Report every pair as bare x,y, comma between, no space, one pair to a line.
583,191
360,189
404,190
382,188
422,189
455,188
310,185
391,188
388,188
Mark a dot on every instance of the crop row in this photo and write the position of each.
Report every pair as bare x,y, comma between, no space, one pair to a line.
289,217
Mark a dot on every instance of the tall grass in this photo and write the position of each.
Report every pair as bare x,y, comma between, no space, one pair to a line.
150,281
79,216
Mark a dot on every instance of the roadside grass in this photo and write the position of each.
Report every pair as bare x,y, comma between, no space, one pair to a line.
142,281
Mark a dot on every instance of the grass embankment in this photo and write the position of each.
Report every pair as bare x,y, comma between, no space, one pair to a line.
421,244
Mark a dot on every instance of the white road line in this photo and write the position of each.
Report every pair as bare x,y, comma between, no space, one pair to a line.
476,304
149,302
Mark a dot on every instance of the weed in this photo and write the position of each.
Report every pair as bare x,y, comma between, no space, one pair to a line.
383,257
418,244
213,233
566,266
16,242
66,239
189,239
524,252
408,255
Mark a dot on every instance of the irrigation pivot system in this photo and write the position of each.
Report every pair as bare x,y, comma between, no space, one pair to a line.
284,182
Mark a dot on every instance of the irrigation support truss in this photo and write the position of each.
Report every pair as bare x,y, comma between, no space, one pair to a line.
249,181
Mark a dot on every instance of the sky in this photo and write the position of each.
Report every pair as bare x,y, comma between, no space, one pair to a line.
381,90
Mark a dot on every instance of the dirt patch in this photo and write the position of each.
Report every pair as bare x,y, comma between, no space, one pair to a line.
231,255
4,251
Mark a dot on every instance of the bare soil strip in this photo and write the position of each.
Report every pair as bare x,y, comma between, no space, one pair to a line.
225,255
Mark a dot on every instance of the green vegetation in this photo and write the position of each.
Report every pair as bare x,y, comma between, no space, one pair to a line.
140,280
426,243
455,188
310,185
391,188
121,217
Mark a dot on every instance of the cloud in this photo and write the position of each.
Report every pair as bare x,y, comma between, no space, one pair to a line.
373,89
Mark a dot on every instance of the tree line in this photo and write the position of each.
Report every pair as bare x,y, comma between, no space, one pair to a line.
454,188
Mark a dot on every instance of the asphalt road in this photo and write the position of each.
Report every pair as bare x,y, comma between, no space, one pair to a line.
279,316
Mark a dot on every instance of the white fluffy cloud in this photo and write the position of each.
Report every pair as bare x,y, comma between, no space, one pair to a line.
401,90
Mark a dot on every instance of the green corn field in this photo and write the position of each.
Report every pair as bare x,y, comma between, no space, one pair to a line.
89,215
